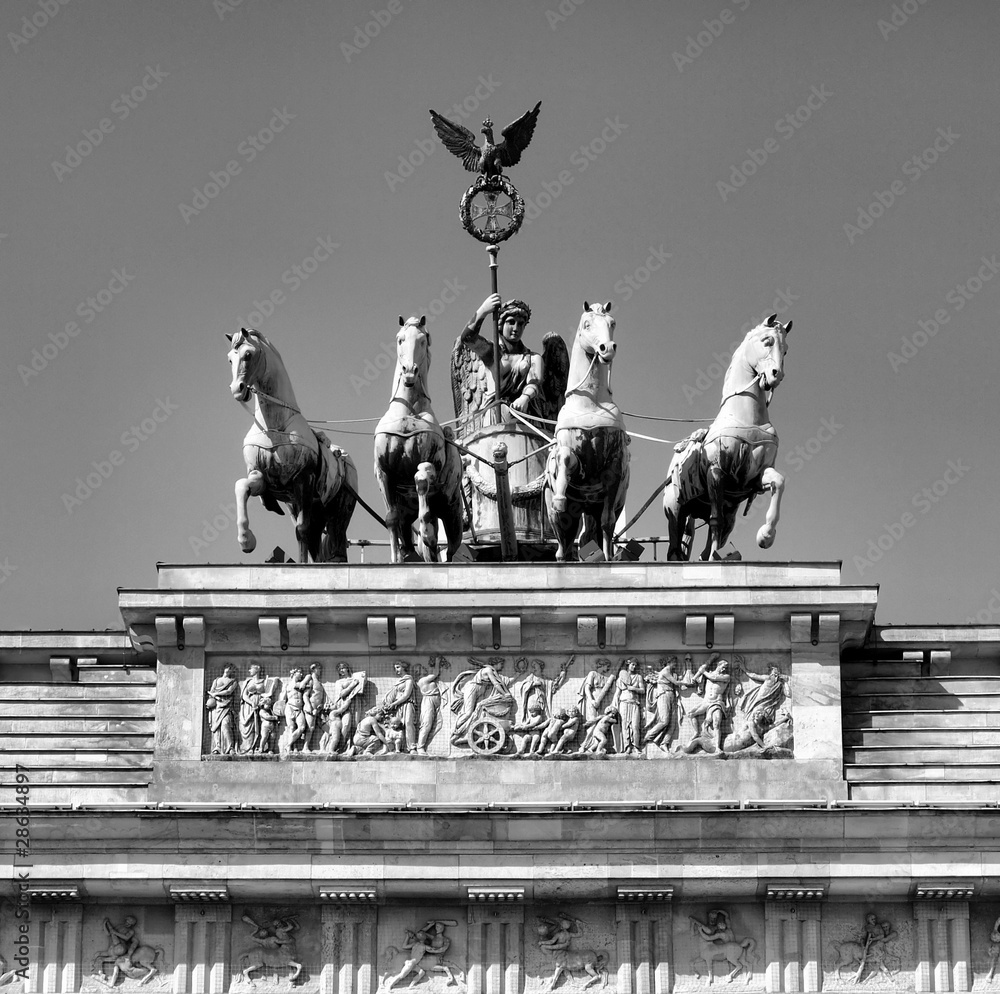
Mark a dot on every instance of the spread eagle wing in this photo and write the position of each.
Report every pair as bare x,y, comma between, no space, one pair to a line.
460,141
469,382
555,361
516,137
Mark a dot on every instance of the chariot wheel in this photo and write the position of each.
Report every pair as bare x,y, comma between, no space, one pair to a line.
487,737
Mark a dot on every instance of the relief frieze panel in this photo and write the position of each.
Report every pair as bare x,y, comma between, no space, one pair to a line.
128,949
869,949
719,943
565,707
425,946
275,949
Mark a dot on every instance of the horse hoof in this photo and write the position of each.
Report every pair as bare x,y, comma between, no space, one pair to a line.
559,504
249,542
765,537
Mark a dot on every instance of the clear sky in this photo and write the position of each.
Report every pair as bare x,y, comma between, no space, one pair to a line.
720,156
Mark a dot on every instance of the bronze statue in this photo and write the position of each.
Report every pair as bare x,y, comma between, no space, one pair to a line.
490,158
287,460
587,471
419,470
717,468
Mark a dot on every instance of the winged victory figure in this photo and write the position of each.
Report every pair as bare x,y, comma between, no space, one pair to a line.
489,158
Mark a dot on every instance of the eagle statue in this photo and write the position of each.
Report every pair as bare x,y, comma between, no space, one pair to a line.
489,158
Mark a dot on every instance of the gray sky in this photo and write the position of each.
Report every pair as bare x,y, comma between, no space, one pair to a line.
642,170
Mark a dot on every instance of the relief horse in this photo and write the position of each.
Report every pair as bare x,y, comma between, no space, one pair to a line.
419,469
286,459
714,470
588,468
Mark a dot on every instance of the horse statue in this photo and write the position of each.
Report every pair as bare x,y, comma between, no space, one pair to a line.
733,460
587,471
419,469
287,460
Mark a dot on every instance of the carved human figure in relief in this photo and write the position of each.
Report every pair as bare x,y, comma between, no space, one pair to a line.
370,737
314,696
560,732
221,705
253,697
486,688
715,707
663,702
718,942
630,695
126,954
555,937
598,741
429,686
596,686
528,732
762,703
340,706
994,951
274,949
870,953
426,948
293,703
399,701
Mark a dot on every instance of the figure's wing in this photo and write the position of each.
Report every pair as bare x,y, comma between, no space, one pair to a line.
517,136
459,140
555,359
469,381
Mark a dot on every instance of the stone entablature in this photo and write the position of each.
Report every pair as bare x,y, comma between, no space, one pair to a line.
386,677
623,946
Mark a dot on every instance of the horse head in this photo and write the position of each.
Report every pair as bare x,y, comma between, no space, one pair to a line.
763,350
413,353
596,331
245,359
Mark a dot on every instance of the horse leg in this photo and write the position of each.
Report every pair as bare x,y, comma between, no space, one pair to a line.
564,522
425,480
713,478
555,979
298,969
337,513
771,479
251,486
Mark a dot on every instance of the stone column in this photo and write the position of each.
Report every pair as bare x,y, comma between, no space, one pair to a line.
922,973
496,948
348,949
202,940
792,936
56,948
961,945
643,941
180,689
943,948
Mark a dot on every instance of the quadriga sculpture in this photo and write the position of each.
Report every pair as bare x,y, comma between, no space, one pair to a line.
716,469
587,471
419,470
287,460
